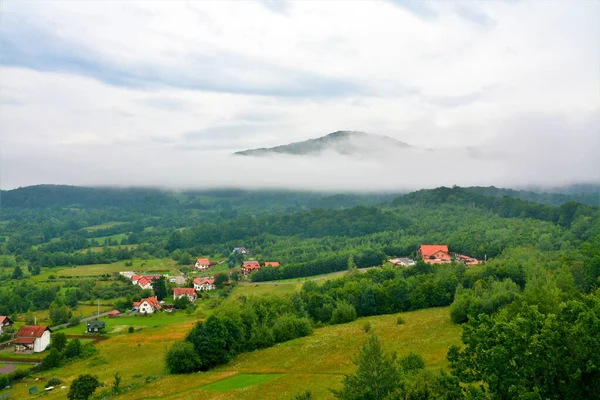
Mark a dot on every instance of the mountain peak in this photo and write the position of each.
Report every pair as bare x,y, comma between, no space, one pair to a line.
341,142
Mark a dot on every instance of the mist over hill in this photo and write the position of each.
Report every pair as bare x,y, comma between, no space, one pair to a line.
340,142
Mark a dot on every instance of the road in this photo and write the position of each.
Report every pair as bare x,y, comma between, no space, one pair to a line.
301,280
104,314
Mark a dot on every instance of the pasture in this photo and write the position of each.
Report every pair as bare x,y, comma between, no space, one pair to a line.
314,363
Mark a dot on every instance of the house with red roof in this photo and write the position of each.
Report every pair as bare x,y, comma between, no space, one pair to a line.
202,264
204,284
32,339
272,264
149,305
249,267
145,282
114,313
189,292
5,322
434,253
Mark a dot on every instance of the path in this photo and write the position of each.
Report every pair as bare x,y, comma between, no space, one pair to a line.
95,316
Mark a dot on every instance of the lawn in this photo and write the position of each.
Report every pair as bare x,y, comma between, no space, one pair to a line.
314,363
121,324
240,381
118,237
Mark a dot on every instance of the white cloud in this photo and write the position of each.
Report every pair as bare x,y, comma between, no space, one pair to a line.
90,90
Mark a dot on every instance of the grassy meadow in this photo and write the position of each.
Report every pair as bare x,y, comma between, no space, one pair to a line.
314,363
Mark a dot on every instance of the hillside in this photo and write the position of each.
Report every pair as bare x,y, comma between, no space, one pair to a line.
341,142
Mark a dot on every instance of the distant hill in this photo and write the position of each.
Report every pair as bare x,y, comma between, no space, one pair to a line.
342,142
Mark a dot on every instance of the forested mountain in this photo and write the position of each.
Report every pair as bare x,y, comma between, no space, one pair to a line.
342,142
586,194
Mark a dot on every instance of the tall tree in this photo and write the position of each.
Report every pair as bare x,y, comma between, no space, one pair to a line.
83,387
159,285
376,377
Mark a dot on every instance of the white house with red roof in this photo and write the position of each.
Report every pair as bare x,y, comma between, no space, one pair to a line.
5,322
204,284
149,305
250,266
202,264
189,292
32,338
145,282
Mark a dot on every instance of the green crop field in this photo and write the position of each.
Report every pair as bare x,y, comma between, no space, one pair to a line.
314,363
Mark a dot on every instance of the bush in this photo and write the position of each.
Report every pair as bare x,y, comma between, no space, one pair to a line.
52,360
130,329
400,320
53,382
343,312
412,362
4,381
367,327
288,327
182,358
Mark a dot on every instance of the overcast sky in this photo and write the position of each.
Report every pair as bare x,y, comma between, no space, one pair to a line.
160,93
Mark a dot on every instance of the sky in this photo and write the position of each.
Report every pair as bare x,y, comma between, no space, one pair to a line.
505,92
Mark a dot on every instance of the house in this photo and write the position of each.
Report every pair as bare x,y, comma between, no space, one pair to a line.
114,313
149,305
127,274
402,262
32,338
250,266
189,292
271,263
5,322
434,253
240,250
202,264
204,284
145,282
95,326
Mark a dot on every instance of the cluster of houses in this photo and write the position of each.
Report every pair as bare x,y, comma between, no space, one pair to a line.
435,254
250,266
143,281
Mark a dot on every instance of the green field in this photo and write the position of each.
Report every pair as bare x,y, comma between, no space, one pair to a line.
118,237
240,381
163,264
314,363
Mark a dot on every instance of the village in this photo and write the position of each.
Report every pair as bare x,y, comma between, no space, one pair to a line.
187,289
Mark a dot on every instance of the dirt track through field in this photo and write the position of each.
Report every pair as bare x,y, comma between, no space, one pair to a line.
7,369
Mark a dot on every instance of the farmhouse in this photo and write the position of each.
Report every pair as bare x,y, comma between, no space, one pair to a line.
114,314
5,322
204,284
147,306
434,253
272,264
95,326
202,264
250,266
32,339
189,292
127,274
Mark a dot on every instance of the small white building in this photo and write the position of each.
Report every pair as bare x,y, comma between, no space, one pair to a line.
127,274
32,338
402,262
5,322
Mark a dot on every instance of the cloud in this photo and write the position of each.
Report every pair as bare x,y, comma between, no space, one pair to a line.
140,91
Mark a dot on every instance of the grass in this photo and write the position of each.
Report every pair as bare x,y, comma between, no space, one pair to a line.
240,381
102,239
163,264
19,366
314,363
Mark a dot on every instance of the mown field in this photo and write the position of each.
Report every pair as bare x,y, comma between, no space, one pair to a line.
314,363
162,264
